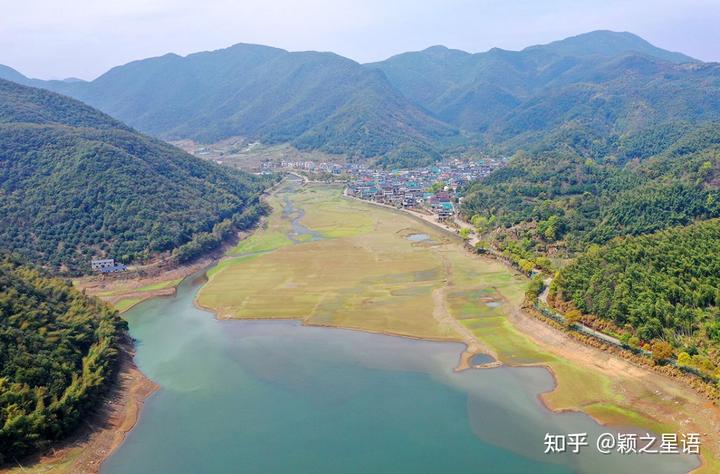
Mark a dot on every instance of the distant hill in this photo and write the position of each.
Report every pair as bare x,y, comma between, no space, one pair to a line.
11,74
312,100
609,43
75,183
600,84
410,109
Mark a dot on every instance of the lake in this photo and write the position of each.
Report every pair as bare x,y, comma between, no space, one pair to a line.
278,397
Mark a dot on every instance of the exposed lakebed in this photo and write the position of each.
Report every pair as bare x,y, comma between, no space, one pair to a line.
276,396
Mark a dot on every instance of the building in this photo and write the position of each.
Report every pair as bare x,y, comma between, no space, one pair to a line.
107,265
445,210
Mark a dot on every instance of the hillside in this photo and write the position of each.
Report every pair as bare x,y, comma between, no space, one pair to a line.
57,355
661,286
562,202
312,100
598,86
75,183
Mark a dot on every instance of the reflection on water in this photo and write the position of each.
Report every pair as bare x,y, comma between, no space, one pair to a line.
276,397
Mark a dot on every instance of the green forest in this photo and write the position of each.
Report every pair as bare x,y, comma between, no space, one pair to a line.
660,286
561,202
58,350
637,222
76,184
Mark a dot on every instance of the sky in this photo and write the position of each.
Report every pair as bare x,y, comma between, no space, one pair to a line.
55,39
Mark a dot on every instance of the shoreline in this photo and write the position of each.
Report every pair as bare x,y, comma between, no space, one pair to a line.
582,355
578,352
134,387
98,437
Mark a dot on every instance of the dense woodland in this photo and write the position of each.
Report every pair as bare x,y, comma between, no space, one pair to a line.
58,350
76,184
560,202
647,266
660,286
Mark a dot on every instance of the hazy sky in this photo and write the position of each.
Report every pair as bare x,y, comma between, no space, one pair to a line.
84,38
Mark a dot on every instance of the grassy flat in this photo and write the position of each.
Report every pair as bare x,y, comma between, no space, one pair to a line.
126,303
364,273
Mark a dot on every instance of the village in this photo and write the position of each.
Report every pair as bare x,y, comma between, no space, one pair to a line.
437,189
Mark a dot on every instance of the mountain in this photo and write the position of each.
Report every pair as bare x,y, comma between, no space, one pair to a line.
58,351
75,183
603,83
609,43
312,100
11,74
588,91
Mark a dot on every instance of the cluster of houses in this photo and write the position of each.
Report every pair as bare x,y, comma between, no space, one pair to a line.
311,166
436,188
410,196
107,265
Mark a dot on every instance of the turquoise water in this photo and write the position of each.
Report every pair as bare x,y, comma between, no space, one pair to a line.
277,397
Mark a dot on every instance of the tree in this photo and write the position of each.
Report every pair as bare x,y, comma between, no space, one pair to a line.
684,359
534,289
438,186
661,350
526,265
572,317
57,353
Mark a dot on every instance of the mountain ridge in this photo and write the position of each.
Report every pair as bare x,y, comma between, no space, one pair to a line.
411,108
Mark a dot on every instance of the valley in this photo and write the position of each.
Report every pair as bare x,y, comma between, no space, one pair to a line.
264,260
440,283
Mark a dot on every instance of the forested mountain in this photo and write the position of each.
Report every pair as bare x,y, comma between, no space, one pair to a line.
660,286
57,355
409,109
609,43
312,100
560,197
75,183
599,87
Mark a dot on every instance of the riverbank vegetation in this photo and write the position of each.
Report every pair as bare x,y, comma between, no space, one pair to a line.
640,273
659,287
57,356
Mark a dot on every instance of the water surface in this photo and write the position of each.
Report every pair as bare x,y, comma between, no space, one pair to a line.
277,397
